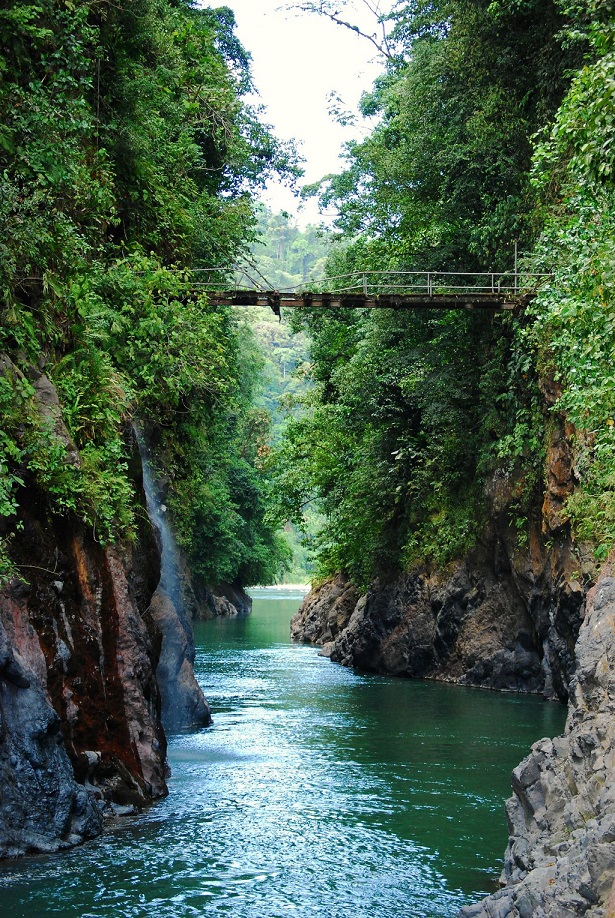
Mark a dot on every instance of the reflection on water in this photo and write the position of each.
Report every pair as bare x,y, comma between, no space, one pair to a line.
318,792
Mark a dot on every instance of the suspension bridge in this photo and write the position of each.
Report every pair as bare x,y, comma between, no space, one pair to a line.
375,290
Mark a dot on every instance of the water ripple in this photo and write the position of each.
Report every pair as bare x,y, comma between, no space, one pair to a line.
318,793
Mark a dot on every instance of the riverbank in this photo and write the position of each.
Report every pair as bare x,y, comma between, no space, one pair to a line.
317,791
560,859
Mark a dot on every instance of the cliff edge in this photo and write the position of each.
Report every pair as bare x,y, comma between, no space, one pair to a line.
560,859
506,616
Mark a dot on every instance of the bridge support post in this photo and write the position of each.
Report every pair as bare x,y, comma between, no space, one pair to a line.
273,299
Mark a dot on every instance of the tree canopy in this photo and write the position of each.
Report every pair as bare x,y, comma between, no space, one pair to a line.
495,123
127,159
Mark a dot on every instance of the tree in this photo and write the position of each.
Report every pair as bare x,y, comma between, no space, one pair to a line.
127,157
411,412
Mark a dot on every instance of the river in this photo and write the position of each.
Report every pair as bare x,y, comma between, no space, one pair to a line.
319,792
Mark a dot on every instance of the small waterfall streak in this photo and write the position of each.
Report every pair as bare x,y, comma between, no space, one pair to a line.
157,512
182,700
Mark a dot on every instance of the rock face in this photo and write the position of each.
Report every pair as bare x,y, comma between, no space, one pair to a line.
560,859
172,608
79,702
516,617
325,613
505,617
176,604
80,731
224,601
471,625
42,808
95,643
183,703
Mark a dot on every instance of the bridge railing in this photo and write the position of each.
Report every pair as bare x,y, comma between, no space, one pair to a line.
434,283
375,283
223,279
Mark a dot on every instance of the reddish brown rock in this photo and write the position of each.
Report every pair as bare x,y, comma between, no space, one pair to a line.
79,702
79,705
560,480
82,626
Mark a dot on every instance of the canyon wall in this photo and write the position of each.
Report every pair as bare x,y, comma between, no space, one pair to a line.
560,859
519,615
79,705
92,648
178,600
504,617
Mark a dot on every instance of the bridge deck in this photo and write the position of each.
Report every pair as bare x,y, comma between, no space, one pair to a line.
504,301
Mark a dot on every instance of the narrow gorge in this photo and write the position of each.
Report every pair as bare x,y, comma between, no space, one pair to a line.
97,653
515,619
426,432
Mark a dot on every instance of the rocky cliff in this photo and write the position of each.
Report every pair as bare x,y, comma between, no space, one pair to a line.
178,600
518,615
472,624
504,617
79,705
560,859
81,644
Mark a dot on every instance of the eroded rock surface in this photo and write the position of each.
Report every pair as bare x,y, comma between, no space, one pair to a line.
471,625
42,807
80,731
180,600
183,703
504,617
325,613
80,706
560,859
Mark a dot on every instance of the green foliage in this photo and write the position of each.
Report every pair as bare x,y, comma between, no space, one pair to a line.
412,414
403,421
442,182
126,158
573,334
286,255
574,329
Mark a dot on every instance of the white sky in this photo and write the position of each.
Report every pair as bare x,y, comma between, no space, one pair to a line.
297,60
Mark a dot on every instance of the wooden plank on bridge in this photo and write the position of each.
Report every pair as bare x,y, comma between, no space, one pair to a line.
332,300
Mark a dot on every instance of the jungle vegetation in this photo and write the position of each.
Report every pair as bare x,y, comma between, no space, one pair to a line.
285,255
128,158
495,124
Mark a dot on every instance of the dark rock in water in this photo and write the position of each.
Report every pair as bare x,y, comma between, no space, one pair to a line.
325,612
236,597
76,676
223,600
560,859
504,617
183,702
42,808
79,705
467,627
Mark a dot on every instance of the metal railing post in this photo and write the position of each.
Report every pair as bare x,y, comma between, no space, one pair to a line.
365,284
429,283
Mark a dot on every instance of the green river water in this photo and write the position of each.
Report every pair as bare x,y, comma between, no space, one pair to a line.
319,791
